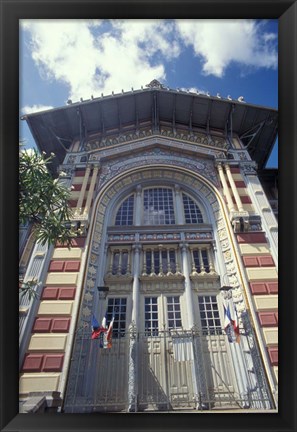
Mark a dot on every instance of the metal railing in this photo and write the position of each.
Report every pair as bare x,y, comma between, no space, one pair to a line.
170,370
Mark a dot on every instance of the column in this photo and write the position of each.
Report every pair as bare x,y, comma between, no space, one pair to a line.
91,191
135,287
83,191
169,270
225,188
210,262
138,206
144,263
188,290
197,365
128,261
202,268
179,206
120,263
133,328
194,271
234,189
160,259
153,262
111,262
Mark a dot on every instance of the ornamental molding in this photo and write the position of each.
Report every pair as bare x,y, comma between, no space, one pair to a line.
155,84
206,285
112,168
176,135
249,168
152,286
208,276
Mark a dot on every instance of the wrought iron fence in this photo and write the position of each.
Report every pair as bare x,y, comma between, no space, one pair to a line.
169,370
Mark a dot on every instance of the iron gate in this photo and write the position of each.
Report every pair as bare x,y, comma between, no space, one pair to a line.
161,371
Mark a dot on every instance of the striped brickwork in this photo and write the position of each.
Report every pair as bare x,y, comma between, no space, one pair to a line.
263,284
241,189
43,362
83,183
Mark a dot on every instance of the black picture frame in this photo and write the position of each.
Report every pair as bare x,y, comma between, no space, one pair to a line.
286,12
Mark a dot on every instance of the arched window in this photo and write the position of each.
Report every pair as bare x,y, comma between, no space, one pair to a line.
124,214
158,207
192,211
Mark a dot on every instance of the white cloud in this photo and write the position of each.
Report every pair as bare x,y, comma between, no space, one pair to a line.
93,57
221,42
70,52
35,108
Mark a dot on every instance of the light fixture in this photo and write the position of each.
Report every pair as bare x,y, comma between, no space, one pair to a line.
103,290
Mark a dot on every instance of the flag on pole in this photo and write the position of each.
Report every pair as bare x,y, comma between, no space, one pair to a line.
97,330
108,335
103,333
231,324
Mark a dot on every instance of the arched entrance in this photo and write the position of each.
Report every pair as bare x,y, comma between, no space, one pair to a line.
161,259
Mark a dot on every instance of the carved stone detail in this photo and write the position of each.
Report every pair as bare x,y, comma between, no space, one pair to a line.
132,368
187,138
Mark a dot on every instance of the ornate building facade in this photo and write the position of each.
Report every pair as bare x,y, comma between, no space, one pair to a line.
170,196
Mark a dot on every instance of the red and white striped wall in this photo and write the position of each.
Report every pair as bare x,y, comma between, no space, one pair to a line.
263,284
43,361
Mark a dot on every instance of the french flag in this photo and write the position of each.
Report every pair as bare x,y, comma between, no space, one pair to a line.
108,335
97,330
231,321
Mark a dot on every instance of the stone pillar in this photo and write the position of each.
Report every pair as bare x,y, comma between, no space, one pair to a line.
201,393
91,191
188,290
225,188
82,192
138,206
133,328
234,189
179,206
132,367
198,372
135,287
202,268
210,261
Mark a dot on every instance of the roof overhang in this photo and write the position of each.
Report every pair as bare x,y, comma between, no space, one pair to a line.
55,129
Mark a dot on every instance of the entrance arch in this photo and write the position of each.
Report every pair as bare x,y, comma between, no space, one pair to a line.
85,373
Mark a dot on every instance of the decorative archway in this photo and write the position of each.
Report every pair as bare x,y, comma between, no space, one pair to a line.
109,190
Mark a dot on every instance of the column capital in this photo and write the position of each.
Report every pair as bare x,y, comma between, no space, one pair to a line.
136,248
184,246
138,189
177,188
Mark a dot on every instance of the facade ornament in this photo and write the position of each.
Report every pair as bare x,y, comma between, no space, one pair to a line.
66,169
155,84
240,223
249,168
132,368
138,189
243,156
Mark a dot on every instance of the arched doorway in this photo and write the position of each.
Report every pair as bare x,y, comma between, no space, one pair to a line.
159,241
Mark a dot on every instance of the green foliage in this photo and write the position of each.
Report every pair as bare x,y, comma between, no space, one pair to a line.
43,200
29,288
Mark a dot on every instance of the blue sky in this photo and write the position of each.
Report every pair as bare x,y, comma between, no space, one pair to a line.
78,58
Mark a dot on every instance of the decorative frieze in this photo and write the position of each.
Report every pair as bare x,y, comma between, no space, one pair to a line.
159,284
103,141
119,238
157,156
